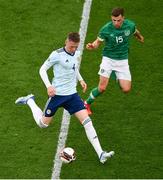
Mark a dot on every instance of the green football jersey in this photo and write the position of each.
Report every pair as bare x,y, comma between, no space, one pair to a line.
117,39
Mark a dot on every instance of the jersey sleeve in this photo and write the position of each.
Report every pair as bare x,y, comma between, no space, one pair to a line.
102,34
78,58
78,75
78,53
52,59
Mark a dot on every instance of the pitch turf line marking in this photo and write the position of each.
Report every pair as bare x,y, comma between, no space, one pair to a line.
66,116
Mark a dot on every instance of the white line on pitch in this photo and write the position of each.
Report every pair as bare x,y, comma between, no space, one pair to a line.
66,116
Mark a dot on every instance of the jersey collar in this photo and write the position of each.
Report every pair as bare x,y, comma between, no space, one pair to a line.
71,54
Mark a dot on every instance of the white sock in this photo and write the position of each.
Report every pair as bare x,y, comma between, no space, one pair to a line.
37,113
92,135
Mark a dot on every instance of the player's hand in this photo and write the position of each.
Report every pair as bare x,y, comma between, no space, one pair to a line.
138,36
141,39
51,91
90,46
83,85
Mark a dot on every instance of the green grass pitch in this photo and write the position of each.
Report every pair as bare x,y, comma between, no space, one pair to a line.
130,124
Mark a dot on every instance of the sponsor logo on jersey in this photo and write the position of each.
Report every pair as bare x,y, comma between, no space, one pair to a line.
127,32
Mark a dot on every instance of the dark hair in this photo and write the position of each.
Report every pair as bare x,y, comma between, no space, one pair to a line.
74,36
117,11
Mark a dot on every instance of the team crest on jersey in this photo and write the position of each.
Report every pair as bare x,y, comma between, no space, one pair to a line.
127,32
48,111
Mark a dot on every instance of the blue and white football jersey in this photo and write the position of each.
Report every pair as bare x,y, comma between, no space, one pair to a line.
65,71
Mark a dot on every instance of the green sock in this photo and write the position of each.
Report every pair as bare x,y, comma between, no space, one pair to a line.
94,93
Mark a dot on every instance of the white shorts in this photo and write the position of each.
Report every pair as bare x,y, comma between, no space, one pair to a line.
120,67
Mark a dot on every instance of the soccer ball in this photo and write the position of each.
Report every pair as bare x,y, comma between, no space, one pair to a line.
67,155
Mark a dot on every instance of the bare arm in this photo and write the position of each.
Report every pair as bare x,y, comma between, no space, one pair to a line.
138,36
94,45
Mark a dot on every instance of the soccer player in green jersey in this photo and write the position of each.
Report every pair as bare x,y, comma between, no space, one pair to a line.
116,35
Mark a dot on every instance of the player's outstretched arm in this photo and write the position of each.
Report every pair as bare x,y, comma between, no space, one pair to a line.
138,36
93,45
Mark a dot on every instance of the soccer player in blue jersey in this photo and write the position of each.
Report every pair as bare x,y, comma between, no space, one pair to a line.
116,35
62,92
